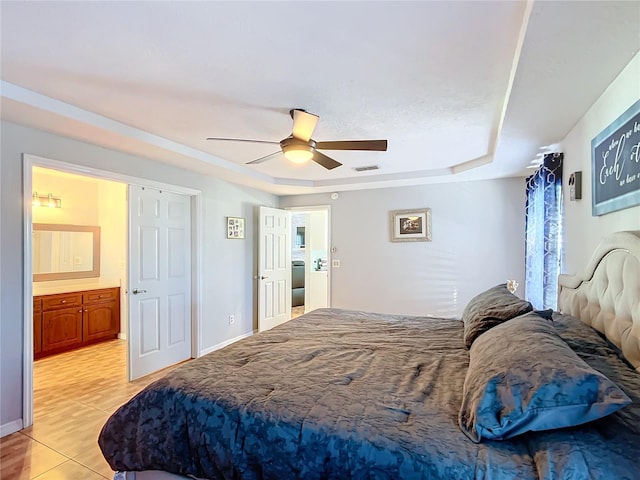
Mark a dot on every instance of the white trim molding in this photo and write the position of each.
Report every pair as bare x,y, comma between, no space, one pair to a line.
11,427
220,345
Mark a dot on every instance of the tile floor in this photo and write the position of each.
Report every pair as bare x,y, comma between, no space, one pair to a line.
74,394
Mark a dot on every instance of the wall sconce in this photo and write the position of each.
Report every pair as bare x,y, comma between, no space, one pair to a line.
46,201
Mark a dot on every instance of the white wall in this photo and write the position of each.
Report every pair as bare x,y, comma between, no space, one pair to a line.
583,231
478,241
228,265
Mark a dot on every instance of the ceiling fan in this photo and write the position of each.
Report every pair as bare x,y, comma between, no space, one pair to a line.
299,147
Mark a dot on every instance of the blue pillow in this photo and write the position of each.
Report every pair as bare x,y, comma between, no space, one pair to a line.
490,308
523,377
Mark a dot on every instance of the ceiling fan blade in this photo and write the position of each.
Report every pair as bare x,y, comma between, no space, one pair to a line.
243,140
304,123
327,162
375,145
264,159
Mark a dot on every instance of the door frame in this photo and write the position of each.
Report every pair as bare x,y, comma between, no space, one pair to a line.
30,161
330,247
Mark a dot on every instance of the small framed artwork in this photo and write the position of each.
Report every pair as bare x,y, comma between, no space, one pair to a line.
411,225
235,227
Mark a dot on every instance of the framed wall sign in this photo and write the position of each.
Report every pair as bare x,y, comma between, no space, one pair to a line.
411,225
615,164
235,227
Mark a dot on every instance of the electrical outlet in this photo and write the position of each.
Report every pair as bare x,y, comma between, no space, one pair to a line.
232,319
335,263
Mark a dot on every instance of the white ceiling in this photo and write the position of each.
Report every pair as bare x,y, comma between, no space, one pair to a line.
461,89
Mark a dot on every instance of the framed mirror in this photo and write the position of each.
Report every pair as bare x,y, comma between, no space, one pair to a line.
62,252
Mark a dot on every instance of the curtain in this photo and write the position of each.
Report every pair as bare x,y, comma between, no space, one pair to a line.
543,232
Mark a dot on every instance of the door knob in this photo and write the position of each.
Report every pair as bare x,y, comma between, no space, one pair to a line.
135,291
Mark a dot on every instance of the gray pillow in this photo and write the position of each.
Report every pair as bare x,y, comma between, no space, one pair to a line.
491,308
523,377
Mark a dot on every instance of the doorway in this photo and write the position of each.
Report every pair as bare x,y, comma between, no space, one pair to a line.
193,205
82,202
310,258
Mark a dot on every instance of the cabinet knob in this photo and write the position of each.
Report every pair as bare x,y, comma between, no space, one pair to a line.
80,311
63,301
99,296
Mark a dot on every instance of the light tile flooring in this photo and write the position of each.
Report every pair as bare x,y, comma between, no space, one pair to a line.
74,394
297,311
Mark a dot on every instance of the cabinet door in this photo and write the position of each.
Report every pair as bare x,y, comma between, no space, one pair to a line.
61,329
37,325
100,321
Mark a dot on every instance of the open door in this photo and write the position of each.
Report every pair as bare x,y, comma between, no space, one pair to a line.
274,268
159,279
316,292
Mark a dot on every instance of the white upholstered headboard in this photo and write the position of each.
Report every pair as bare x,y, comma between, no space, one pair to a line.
606,295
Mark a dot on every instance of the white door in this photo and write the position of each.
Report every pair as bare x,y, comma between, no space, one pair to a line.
159,279
274,268
316,281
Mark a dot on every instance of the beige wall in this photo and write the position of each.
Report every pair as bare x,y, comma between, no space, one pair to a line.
582,230
79,198
87,201
112,214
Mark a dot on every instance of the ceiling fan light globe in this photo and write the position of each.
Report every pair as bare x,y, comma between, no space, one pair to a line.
298,155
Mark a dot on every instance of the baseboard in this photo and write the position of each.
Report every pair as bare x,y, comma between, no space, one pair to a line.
218,346
122,336
11,427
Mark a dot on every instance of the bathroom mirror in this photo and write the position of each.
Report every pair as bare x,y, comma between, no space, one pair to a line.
63,252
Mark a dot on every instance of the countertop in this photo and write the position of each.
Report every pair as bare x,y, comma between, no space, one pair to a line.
41,288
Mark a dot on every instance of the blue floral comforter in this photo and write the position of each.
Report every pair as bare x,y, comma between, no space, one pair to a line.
339,394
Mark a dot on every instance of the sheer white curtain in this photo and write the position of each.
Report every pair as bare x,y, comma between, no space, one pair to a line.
543,232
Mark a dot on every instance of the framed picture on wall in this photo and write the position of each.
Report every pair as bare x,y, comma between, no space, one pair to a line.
411,225
235,227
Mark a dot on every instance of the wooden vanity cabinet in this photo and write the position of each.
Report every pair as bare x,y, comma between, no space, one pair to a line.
37,325
72,320
61,329
101,315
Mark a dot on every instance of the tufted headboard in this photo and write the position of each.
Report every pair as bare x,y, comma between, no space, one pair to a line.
606,295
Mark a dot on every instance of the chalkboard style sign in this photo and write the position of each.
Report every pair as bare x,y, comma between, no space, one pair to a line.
615,164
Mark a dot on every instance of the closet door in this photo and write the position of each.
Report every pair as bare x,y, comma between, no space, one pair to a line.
159,279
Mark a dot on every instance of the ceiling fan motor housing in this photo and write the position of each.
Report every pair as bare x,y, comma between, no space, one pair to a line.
292,144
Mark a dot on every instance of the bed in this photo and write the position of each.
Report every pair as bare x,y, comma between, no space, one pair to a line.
353,395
